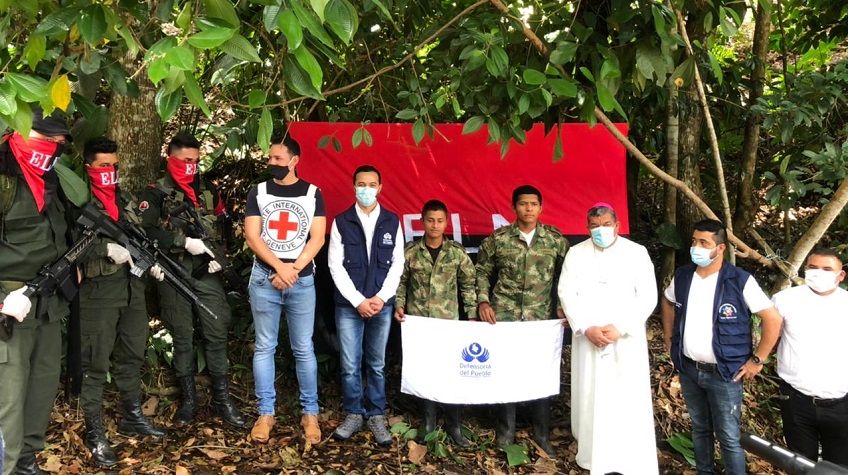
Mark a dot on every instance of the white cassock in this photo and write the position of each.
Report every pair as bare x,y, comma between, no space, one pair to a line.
612,414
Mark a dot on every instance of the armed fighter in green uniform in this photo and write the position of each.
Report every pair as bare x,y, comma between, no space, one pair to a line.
113,314
435,270
33,233
524,261
166,207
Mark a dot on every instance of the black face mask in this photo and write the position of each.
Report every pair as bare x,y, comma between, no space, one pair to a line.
278,172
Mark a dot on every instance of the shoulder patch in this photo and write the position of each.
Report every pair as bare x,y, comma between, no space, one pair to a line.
143,206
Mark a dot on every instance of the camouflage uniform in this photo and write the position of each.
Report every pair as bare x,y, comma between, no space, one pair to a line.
429,288
524,276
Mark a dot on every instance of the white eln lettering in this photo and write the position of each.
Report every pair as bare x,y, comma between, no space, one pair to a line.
41,160
191,168
108,178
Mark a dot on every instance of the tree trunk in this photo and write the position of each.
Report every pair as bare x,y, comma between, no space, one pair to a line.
690,158
672,136
137,128
745,200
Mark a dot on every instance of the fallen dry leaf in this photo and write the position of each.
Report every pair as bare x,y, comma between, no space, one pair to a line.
180,470
214,454
150,406
416,452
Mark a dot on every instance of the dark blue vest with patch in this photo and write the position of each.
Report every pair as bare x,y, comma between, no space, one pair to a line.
732,340
367,274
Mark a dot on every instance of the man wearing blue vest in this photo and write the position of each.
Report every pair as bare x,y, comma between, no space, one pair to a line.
706,315
366,262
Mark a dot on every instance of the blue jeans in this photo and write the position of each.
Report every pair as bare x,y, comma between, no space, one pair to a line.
371,334
267,304
715,406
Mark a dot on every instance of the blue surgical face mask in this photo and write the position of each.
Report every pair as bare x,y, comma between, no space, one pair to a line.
366,196
603,236
701,256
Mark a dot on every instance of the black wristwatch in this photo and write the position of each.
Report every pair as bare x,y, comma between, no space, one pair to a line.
757,359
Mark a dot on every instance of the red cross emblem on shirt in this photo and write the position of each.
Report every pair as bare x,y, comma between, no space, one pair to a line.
282,225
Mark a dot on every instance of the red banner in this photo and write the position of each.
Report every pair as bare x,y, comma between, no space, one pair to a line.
468,175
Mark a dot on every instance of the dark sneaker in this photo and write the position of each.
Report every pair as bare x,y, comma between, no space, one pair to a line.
351,425
377,425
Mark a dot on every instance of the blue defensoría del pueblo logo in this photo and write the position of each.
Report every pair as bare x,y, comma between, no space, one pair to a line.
468,368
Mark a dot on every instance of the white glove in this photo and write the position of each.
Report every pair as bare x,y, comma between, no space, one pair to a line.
157,273
118,253
17,305
196,247
213,267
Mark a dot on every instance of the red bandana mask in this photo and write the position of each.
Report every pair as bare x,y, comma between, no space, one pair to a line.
104,181
35,158
183,172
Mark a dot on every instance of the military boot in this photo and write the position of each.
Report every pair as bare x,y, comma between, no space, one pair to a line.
506,425
222,404
97,443
428,412
542,424
134,422
28,466
188,403
453,426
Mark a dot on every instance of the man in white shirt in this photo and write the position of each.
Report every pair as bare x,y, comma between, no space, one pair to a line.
810,359
608,291
706,315
366,262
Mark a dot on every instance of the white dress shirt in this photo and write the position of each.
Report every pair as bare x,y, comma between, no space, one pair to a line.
812,352
335,259
698,331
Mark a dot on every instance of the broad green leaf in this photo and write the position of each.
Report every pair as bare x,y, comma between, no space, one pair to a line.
342,18
659,20
558,151
58,21
418,131
160,48
181,57
76,190
366,136
116,77
494,131
310,65
167,104
29,88
222,9
473,124
605,99
564,53
546,95
256,98
534,77
323,142
174,81
298,80
22,120
669,236
312,23
500,59
238,47
271,16
266,129
291,28
319,7
90,64
8,105
563,87
587,73
516,455
184,18
716,67
60,92
406,114
523,103
211,38
158,70
34,50
92,24
685,71
337,145
386,13
356,138
649,62
194,94
124,32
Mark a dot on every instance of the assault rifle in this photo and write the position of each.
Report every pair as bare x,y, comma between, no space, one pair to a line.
145,253
782,458
193,227
59,275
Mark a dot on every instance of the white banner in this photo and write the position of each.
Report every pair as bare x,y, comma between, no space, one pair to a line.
460,362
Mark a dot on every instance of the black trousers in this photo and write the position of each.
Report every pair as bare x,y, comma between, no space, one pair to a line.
808,422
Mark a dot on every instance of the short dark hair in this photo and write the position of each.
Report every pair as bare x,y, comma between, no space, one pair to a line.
286,141
598,211
525,190
827,252
433,205
713,226
367,169
181,141
98,145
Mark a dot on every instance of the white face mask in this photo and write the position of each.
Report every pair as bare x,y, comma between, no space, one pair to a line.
820,280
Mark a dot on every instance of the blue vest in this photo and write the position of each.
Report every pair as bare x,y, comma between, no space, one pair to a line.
367,275
732,340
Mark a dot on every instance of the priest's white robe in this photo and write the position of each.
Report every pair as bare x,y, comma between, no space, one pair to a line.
612,414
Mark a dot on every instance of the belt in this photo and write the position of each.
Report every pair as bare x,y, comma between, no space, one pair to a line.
818,401
701,366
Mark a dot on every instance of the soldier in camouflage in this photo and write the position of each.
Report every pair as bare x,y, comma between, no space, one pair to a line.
434,271
517,269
